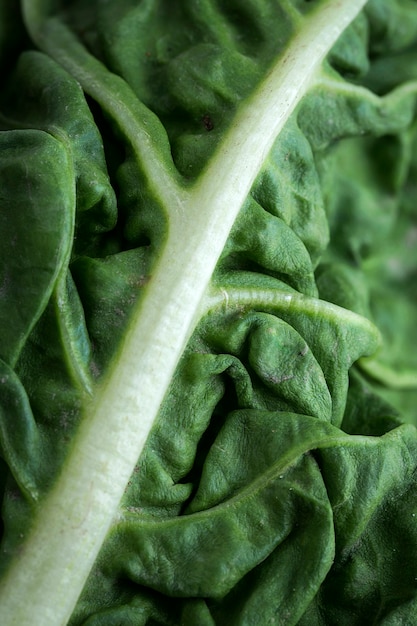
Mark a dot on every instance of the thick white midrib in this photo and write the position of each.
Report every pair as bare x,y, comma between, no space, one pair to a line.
43,584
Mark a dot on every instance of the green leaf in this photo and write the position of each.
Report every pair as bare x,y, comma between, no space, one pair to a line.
194,426
40,94
20,440
371,485
37,189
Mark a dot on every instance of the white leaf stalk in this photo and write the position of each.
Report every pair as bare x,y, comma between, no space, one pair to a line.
44,582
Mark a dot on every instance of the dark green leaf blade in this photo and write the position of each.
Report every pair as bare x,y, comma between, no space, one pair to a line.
37,204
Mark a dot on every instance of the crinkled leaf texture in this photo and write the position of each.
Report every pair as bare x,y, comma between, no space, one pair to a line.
144,176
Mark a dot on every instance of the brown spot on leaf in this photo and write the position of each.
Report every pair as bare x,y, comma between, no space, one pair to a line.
208,122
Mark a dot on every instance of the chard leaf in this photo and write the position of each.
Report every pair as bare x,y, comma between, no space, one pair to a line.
373,523
370,265
20,445
189,427
41,95
37,189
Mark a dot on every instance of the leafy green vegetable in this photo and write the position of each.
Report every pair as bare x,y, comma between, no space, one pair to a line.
207,312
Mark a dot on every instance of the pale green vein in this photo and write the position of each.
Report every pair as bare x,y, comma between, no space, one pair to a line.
141,128
331,84
276,301
399,378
